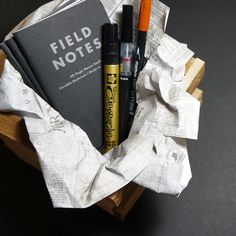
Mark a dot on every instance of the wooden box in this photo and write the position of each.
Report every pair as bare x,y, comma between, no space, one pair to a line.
14,135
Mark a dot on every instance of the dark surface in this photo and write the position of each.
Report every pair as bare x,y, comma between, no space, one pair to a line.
208,206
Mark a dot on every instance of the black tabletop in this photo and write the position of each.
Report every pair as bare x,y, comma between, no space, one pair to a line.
208,206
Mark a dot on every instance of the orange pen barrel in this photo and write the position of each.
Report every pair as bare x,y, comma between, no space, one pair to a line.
144,15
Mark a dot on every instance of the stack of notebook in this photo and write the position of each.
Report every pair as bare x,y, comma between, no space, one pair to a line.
60,58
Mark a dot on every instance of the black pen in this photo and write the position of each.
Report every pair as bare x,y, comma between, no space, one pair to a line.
126,60
143,27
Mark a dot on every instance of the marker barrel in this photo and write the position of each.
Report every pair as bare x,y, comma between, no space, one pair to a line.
111,71
111,106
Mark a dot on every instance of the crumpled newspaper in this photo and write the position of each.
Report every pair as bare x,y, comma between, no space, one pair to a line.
155,154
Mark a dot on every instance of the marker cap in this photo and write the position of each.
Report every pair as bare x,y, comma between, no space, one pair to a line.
127,24
110,34
110,44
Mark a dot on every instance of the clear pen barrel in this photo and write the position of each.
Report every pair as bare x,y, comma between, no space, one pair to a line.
126,54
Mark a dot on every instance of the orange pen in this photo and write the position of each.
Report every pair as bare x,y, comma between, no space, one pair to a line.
143,27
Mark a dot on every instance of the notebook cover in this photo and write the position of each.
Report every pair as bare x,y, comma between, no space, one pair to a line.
64,52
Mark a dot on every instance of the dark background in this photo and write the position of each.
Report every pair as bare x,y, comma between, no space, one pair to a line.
208,206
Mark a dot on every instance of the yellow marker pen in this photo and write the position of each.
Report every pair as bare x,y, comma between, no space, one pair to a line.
111,85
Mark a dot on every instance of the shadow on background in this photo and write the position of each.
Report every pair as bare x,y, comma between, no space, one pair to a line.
26,208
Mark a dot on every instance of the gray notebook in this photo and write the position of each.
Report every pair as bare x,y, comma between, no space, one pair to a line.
64,52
